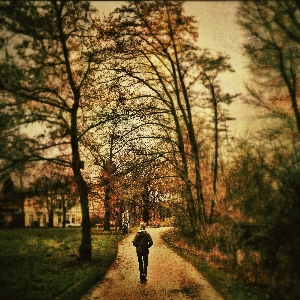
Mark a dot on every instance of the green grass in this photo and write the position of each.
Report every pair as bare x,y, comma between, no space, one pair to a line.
229,286
43,263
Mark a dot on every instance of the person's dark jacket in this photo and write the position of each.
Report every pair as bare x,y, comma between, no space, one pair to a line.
142,241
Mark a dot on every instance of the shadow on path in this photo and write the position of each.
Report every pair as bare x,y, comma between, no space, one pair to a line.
169,276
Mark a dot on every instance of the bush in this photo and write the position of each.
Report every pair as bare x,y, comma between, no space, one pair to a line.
226,283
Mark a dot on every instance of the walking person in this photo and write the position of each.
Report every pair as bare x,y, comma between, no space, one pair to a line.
142,241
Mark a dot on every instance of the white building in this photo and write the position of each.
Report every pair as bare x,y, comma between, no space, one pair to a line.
38,216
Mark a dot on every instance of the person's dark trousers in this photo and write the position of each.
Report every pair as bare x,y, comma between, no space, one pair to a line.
143,264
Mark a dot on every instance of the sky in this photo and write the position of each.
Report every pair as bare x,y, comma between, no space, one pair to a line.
218,32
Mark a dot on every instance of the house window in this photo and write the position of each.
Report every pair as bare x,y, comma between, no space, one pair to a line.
59,219
73,218
30,218
44,219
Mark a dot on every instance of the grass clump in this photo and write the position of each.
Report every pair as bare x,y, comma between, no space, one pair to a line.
42,263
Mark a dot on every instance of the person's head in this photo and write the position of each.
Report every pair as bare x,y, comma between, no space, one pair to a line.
143,225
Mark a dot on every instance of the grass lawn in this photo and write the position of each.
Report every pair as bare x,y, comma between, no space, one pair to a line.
42,263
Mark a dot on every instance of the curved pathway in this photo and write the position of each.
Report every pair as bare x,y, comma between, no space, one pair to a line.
169,276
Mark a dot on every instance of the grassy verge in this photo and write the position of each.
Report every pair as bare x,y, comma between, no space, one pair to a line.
43,263
228,285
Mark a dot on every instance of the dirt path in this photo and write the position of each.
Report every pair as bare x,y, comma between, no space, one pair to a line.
169,276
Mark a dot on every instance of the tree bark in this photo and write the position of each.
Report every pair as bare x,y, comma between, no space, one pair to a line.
107,207
216,155
85,249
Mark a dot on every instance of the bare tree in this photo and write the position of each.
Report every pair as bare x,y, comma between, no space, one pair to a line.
153,42
44,77
211,68
273,29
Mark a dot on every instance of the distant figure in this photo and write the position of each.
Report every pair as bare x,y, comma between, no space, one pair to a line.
124,228
142,241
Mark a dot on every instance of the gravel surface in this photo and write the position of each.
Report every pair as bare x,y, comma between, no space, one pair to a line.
169,276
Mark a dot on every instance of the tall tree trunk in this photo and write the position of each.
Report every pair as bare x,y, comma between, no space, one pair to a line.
51,213
107,207
187,116
146,208
64,211
216,155
85,248
185,172
291,83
